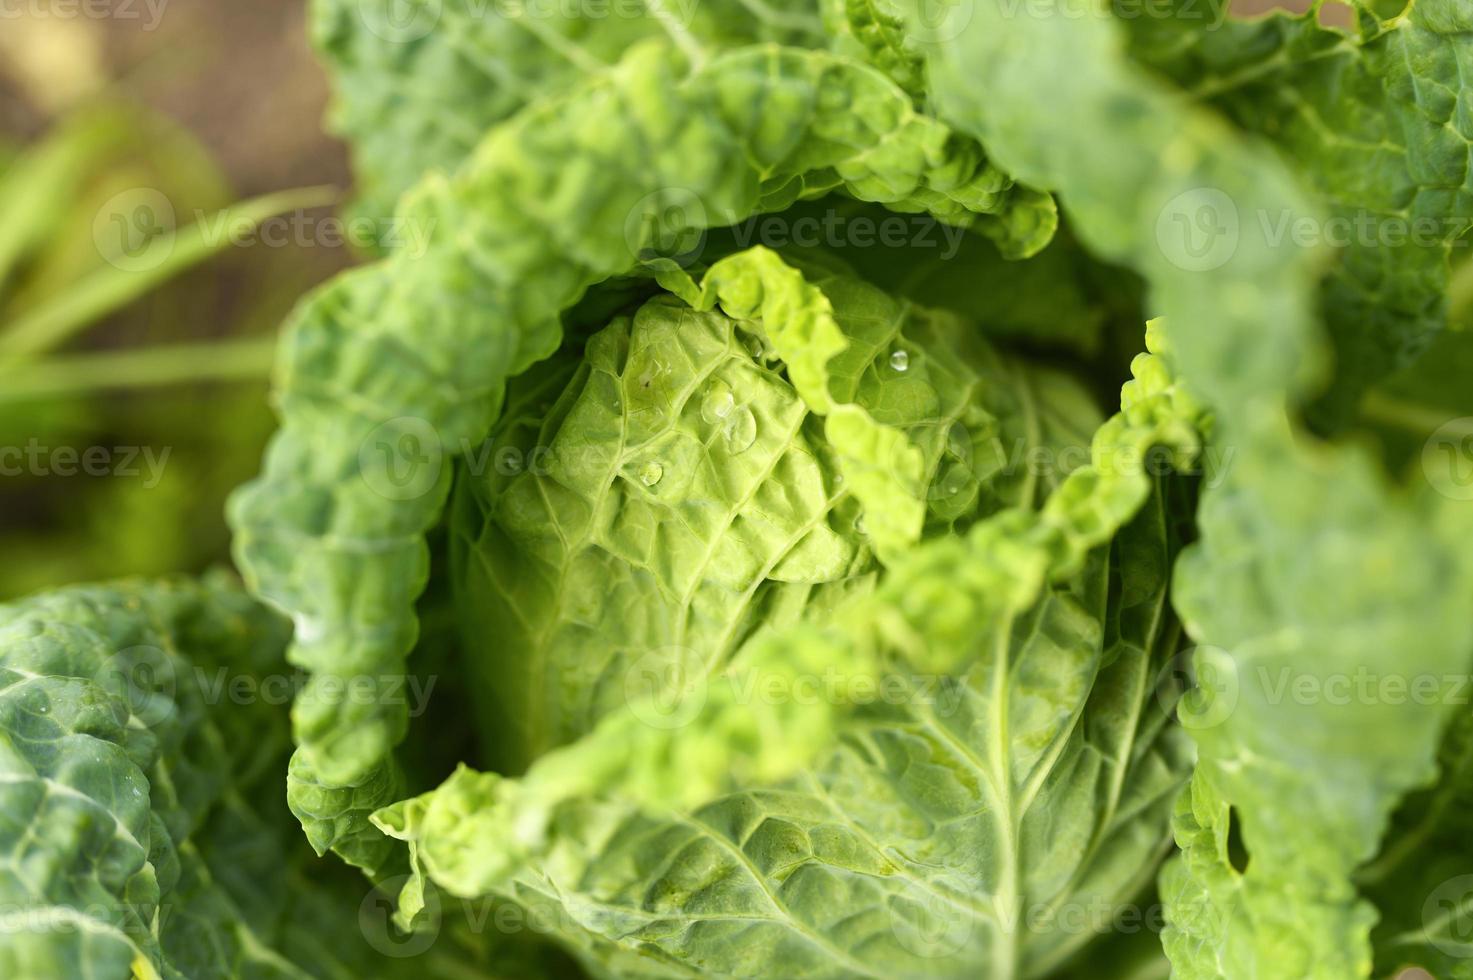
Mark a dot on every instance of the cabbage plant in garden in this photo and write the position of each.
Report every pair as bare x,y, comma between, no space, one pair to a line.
845,488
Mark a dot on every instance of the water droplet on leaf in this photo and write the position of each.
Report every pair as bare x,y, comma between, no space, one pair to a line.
718,402
959,441
650,473
741,430
953,481
900,361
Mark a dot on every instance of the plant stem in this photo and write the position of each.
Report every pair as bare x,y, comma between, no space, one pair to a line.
246,359
111,287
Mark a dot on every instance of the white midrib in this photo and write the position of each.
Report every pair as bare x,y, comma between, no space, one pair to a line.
1008,900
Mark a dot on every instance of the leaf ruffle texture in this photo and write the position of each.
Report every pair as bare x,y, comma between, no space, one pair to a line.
143,827
732,489
1308,558
417,84
914,835
395,368
1376,122
679,492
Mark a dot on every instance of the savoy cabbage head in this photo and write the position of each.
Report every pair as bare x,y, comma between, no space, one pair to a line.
848,488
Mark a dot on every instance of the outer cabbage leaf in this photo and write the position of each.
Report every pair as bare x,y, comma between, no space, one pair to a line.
140,797
1421,881
874,31
1306,558
394,368
419,83
1022,768
1421,415
1378,124
683,490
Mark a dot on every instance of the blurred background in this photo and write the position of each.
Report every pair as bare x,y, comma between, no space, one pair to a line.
147,155
133,378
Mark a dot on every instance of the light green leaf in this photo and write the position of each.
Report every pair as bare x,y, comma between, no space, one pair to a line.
699,476
1371,121
1307,558
1017,771
419,83
396,367
142,824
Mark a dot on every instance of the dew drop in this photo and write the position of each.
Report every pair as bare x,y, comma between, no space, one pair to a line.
959,441
651,473
859,525
955,479
754,346
900,361
718,402
741,430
